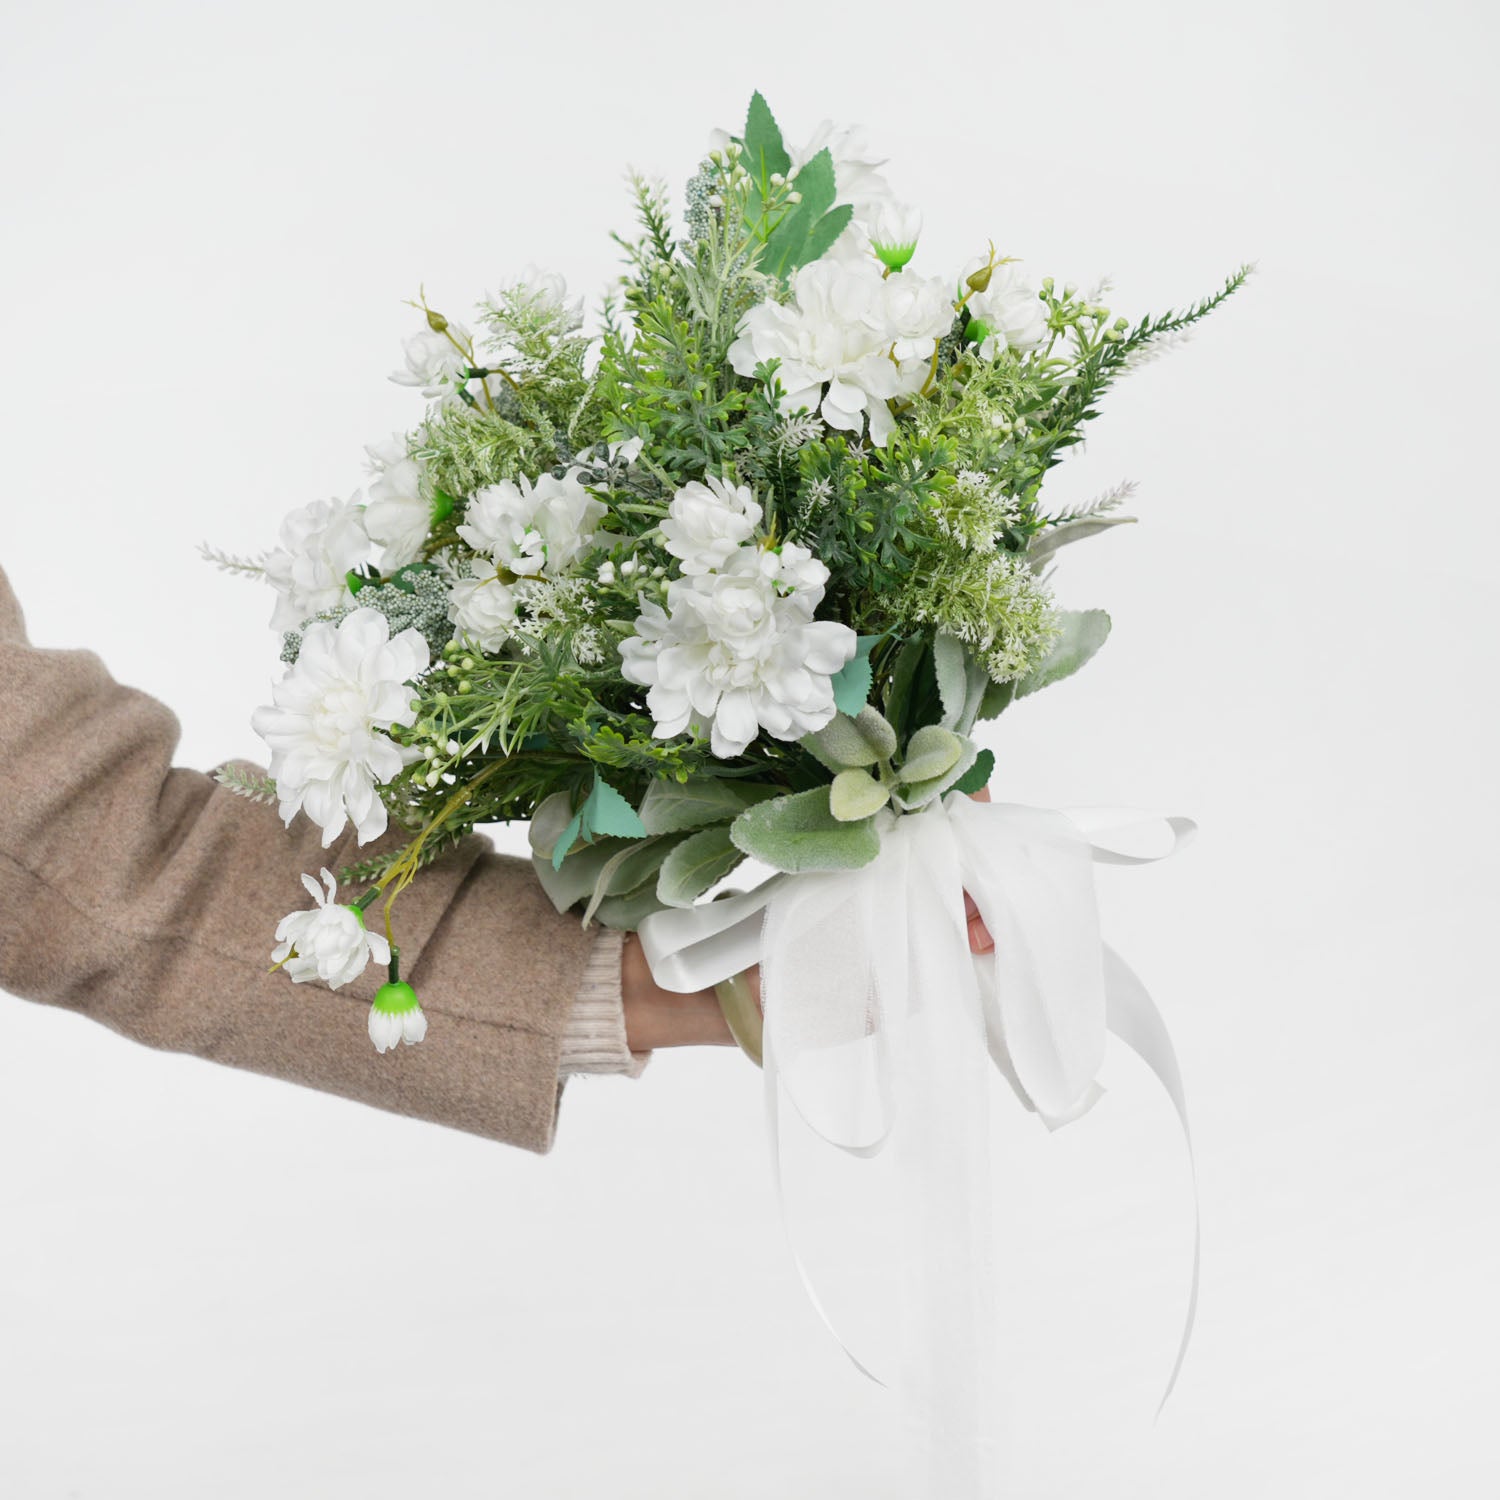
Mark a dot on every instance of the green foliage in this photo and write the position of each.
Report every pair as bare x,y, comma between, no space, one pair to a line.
701,860
800,832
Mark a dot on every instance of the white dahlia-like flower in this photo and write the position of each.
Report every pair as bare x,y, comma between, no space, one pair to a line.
856,170
319,544
706,523
533,528
835,342
1010,310
328,754
482,606
738,651
327,942
397,516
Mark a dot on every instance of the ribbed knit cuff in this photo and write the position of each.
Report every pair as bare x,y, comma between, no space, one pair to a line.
595,1041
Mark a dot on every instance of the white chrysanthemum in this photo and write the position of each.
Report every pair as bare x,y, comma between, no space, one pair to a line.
834,343
1009,308
738,651
327,942
533,528
919,311
546,291
482,606
319,544
707,521
350,682
397,517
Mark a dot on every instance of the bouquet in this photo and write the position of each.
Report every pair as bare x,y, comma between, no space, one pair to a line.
733,573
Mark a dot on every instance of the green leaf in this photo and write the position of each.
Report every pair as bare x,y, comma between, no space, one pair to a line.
630,866
1045,543
851,683
809,228
997,698
977,777
855,795
900,690
626,913
909,796
763,145
701,860
845,742
932,751
605,811
799,832
822,235
1083,633
672,806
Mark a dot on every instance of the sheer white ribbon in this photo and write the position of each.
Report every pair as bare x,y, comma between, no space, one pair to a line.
877,1022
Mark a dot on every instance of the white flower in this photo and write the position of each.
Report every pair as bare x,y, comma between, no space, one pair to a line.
324,728
738,651
856,171
835,340
482,606
433,359
538,528
327,942
396,515
919,311
319,544
894,231
1009,308
707,521
544,291
396,1017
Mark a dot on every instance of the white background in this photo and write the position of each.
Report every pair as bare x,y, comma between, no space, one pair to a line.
217,1284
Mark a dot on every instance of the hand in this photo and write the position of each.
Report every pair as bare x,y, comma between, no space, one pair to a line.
655,1017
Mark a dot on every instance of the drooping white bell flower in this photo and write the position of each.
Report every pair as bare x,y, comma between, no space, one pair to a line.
1009,308
327,942
706,521
397,516
320,543
835,340
396,1017
328,753
738,651
533,528
482,606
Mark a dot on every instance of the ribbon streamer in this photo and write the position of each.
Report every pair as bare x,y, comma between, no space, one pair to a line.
878,1020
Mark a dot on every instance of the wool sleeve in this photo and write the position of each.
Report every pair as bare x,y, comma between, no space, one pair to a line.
595,1040
146,896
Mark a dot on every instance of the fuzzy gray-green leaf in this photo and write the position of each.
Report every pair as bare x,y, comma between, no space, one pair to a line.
856,794
931,752
799,832
673,806
702,859
1083,633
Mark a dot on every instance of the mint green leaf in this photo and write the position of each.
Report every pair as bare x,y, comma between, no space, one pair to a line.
977,777
851,683
932,751
1083,633
763,146
845,742
606,812
672,806
567,839
799,832
701,860
855,795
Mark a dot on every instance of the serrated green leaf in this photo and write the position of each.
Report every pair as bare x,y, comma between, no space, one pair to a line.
1083,633
822,235
855,795
977,777
799,832
607,813
567,839
763,145
931,752
816,183
701,860
851,683
674,806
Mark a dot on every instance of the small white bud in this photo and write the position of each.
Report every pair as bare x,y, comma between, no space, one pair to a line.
453,747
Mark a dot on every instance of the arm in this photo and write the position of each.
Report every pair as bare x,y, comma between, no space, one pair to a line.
145,895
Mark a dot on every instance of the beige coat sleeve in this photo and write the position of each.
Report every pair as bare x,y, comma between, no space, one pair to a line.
146,895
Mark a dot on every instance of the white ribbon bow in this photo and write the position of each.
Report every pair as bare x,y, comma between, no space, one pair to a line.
875,1014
